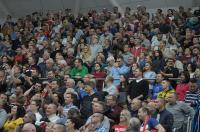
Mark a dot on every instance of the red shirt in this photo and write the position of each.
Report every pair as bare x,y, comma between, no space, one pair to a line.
120,128
18,58
181,90
136,51
99,82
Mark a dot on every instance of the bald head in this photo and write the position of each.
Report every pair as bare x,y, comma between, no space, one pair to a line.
28,127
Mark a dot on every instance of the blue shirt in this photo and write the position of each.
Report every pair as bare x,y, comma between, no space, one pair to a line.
155,90
101,128
116,72
66,108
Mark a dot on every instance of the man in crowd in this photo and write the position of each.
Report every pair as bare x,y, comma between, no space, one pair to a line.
118,69
164,117
138,88
114,109
192,96
180,110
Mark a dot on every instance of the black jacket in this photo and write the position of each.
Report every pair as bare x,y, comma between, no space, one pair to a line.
139,88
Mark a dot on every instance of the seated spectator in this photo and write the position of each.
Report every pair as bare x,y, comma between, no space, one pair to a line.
197,76
123,89
99,73
119,68
125,117
79,70
136,104
59,128
164,117
15,118
29,117
158,61
72,125
138,87
183,86
34,107
134,125
192,96
86,106
99,107
157,86
148,123
96,124
75,114
51,113
69,99
180,110
3,115
170,71
3,84
110,88
126,53
114,109
167,89
28,127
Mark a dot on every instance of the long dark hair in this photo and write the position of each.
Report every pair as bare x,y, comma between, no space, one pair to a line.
126,83
20,111
186,74
158,57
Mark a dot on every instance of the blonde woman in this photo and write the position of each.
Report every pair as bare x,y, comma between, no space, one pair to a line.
125,117
86,55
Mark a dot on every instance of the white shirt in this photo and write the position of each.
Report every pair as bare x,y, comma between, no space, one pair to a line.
38,118
53,118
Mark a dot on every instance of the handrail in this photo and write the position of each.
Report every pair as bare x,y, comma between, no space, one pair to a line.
119,78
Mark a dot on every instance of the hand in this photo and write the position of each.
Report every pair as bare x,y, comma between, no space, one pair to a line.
129,99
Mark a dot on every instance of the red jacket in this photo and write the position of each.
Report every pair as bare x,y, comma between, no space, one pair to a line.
136,51
181,90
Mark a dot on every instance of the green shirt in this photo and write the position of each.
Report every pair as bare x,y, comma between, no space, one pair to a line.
78,72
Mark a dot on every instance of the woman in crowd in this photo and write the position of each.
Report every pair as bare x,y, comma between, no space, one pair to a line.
125,117
99,73
86,55
158,61
183,86
15,118
123,89
191,67
72,125
148,72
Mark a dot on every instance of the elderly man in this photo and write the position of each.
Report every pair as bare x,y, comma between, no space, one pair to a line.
59,128
28,127
96,124
136,104
99,107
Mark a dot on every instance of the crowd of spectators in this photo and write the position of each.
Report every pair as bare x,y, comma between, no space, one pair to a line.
101,71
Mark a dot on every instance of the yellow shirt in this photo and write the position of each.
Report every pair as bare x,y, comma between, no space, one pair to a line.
11,125
164,94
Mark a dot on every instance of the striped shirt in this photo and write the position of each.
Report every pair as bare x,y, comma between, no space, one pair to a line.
192,98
